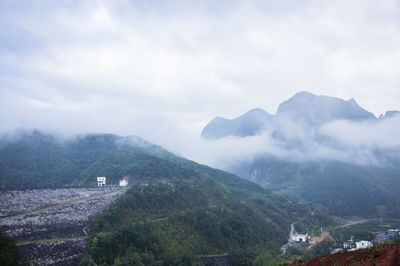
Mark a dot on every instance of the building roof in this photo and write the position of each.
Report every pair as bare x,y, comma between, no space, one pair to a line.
301,233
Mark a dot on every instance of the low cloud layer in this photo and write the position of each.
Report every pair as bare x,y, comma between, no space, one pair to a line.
371,143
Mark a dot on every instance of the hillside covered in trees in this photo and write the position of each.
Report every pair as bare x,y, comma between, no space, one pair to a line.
38,160
175,210
188,211
343,189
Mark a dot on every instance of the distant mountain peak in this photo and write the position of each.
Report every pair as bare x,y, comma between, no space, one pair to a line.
304,94
351,100
319,109
389,114
256,111
247,124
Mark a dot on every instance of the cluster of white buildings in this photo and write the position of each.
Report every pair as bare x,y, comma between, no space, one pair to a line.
354,245
380,237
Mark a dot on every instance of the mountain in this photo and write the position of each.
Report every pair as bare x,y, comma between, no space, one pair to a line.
181,210
389,114
317,110
248,124
33,159
175,210
303,107
327,152
343,189
184,213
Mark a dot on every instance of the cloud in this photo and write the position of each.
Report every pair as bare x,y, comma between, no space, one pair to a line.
382,134
160,69
370,143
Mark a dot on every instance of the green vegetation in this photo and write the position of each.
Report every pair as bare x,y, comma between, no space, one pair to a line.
36,160
40,241
187,210
175,211
8,251
364,230
322,248
363,235
342,189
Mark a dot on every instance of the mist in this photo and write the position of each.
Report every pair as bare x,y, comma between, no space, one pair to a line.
367,143
162,70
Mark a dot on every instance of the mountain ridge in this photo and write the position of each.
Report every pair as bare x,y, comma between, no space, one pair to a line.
245,125
305,107
327,152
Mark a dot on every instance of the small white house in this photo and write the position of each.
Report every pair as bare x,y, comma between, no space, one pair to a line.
124,181
301,237
101,181
349,245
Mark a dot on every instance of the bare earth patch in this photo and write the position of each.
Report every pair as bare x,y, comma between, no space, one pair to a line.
316,239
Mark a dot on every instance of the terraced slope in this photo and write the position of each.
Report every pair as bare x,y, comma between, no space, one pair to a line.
49,231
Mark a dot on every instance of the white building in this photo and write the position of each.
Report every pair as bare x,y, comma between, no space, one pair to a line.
363,244
301,237
101,181
124,181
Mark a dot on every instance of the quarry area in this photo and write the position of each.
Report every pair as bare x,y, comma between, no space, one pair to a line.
49,224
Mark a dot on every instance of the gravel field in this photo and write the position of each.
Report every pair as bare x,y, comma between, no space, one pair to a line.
67,252
63,221
21,201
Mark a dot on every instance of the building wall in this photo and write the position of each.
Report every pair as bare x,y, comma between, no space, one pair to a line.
101,181
300,238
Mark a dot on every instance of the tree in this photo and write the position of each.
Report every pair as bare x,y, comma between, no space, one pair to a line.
363,235
8,251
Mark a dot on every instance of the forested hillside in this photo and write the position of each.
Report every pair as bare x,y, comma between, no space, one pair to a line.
343,189
175,210
38,160
188,212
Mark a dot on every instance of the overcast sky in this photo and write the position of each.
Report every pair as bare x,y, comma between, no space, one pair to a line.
163,69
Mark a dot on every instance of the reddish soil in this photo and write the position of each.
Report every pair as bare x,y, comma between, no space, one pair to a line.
386,255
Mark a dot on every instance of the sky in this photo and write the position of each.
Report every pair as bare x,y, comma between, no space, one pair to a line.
163,69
